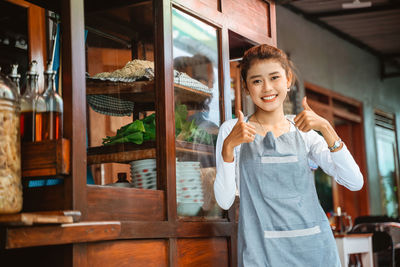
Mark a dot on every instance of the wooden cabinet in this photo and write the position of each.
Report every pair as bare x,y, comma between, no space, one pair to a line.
153,229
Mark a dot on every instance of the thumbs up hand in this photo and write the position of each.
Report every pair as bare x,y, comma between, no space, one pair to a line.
240,116
242,132
309,120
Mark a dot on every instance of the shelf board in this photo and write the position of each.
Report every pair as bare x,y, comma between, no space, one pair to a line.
82,232
142,91
43,217
186,147
121,153
124,153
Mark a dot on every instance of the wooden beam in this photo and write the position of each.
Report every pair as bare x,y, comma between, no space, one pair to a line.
224,82
333,30
165,119
63,234
19,237
74,95
345,12
391,75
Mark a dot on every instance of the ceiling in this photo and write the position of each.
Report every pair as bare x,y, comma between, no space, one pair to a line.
375,29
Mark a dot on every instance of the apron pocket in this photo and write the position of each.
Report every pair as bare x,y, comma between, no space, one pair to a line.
278,176
285,159
303,247
293,233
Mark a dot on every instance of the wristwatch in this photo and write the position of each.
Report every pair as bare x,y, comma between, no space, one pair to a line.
336,145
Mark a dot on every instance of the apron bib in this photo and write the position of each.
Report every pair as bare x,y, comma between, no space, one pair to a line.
281,222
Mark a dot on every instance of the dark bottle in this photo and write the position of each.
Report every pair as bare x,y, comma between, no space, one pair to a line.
53,116
32,107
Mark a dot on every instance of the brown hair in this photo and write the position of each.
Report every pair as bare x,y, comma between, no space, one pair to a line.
264,51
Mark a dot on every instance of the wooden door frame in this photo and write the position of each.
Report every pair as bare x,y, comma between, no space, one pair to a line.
357,118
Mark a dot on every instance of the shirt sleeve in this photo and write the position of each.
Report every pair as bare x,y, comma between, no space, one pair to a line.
225,183
340,164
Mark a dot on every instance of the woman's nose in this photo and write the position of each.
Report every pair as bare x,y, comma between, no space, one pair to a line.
266,86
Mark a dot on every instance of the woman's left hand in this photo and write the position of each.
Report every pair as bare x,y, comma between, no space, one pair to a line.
309,120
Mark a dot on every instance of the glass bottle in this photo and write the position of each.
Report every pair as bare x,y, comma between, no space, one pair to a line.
32,107
10,156
15,77
53,116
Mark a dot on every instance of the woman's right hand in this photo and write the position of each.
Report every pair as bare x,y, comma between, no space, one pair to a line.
242,132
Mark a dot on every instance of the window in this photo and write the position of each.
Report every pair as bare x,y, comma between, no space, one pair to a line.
388,162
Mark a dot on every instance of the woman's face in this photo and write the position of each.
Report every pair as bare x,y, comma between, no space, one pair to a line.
267,84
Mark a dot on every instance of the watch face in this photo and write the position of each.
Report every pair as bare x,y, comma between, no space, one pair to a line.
337,143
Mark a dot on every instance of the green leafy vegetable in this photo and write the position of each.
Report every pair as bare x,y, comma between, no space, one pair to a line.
187,130
145,130
135,132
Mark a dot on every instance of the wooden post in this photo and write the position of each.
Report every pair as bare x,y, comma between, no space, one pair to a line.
74,95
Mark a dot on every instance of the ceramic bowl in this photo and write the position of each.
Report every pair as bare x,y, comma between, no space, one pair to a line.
188,209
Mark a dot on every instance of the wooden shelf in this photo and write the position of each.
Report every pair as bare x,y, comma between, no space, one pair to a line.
141,91
121,153
186,147
46,159
124,153
96,231
43,217
61,234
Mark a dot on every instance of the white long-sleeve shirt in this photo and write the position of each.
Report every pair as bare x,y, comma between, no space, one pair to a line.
340,164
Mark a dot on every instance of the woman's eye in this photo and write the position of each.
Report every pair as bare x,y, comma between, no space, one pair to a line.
257,81
274,77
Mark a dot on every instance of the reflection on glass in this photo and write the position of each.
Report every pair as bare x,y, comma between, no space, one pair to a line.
388,169
197,114
323,184
121,109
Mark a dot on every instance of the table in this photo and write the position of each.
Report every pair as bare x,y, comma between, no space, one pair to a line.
353,244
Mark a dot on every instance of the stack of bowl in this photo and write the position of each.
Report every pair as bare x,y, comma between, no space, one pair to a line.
189,189
144,173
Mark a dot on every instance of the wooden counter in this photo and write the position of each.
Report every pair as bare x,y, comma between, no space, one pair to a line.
83,232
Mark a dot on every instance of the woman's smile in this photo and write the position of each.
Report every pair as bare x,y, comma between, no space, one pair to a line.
269,98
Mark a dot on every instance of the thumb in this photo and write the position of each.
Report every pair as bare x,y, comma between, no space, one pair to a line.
305,104
240,116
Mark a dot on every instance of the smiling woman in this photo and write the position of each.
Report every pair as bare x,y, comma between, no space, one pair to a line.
265,156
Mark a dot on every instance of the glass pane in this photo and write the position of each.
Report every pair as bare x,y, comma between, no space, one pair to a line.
323,184
197,114
386,154
120,96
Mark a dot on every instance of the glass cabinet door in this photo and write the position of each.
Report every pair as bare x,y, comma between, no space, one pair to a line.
121,96
197,114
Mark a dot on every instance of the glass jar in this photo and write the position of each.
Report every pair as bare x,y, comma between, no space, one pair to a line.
10,156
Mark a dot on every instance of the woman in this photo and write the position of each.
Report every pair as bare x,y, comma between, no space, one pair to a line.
281,222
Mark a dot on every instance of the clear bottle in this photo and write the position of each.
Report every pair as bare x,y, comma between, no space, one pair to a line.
15,76
10,157
53,116
32,107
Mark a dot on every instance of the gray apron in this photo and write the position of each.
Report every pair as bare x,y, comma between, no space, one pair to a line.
281,222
